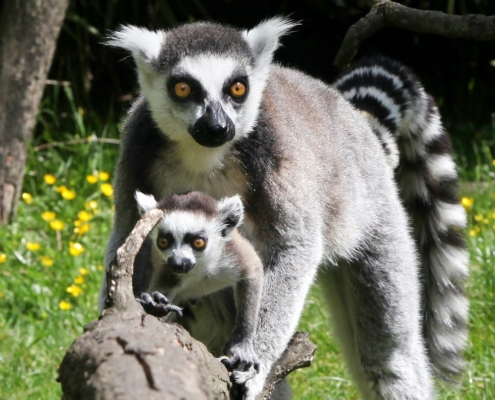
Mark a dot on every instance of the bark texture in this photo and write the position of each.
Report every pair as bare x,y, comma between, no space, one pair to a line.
386,13
127,354
28,35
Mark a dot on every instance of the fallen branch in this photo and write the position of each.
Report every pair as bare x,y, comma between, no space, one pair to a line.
128,354
386,13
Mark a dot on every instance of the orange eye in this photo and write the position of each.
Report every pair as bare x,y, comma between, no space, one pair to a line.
238,89
182,89
199,243
163,243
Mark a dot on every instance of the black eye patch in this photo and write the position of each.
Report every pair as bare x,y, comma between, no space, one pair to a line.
164,240
227,88
194,239
197,95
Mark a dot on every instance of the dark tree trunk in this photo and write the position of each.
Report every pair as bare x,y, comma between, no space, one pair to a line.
28,35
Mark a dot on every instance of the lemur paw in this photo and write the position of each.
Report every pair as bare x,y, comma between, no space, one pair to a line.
157,304
241,378
244,362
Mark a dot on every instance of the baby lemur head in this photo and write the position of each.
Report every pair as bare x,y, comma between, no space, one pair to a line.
192,234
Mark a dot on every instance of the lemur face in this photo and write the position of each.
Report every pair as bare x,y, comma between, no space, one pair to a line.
207,94
187,242
203,82
192,235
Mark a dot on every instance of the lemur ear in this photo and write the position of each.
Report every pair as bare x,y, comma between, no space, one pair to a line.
145,202
264,38
143,44
231,213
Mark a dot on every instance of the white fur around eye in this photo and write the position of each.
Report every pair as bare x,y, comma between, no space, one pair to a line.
211,71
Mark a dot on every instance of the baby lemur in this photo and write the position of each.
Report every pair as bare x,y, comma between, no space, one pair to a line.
197,250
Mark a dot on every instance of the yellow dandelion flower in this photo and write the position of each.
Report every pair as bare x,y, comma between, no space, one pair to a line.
492,215
64,305
3,258
57,225
47,261
82,229
50,179
478,217
107,189
76,249
473,232
100,268
79,280
467,202
91,205
84,215
32,246
27,197
74,290
48,215
92,179
83,271
68,194
77,222
60,189
493,162
104,176
486,221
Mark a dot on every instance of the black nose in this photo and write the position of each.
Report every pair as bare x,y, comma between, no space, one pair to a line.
214,128
179,265
215,121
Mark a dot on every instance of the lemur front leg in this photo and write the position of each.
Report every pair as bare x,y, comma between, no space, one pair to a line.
287,280
244,362
157,304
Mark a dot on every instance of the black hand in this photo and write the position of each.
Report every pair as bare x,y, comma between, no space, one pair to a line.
157,305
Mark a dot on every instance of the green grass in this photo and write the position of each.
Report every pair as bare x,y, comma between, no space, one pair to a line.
35,331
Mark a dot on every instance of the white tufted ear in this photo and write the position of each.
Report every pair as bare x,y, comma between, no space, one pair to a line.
231,213
143,44
145,202
264,38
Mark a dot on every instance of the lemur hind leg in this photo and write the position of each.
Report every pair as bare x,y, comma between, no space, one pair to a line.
374,301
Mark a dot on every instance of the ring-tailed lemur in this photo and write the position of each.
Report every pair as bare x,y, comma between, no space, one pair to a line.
197,250
217,116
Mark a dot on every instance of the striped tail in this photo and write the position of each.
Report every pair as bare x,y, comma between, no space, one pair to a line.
407,122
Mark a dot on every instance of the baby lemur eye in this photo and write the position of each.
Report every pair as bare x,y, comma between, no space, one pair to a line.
238,89
163,243
182,89
199,244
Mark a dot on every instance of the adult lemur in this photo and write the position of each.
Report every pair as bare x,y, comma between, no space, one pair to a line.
217,116
197,250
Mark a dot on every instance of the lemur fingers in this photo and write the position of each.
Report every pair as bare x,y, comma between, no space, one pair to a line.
157,305
244,362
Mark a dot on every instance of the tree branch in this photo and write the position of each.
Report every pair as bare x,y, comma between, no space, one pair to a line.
386,13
